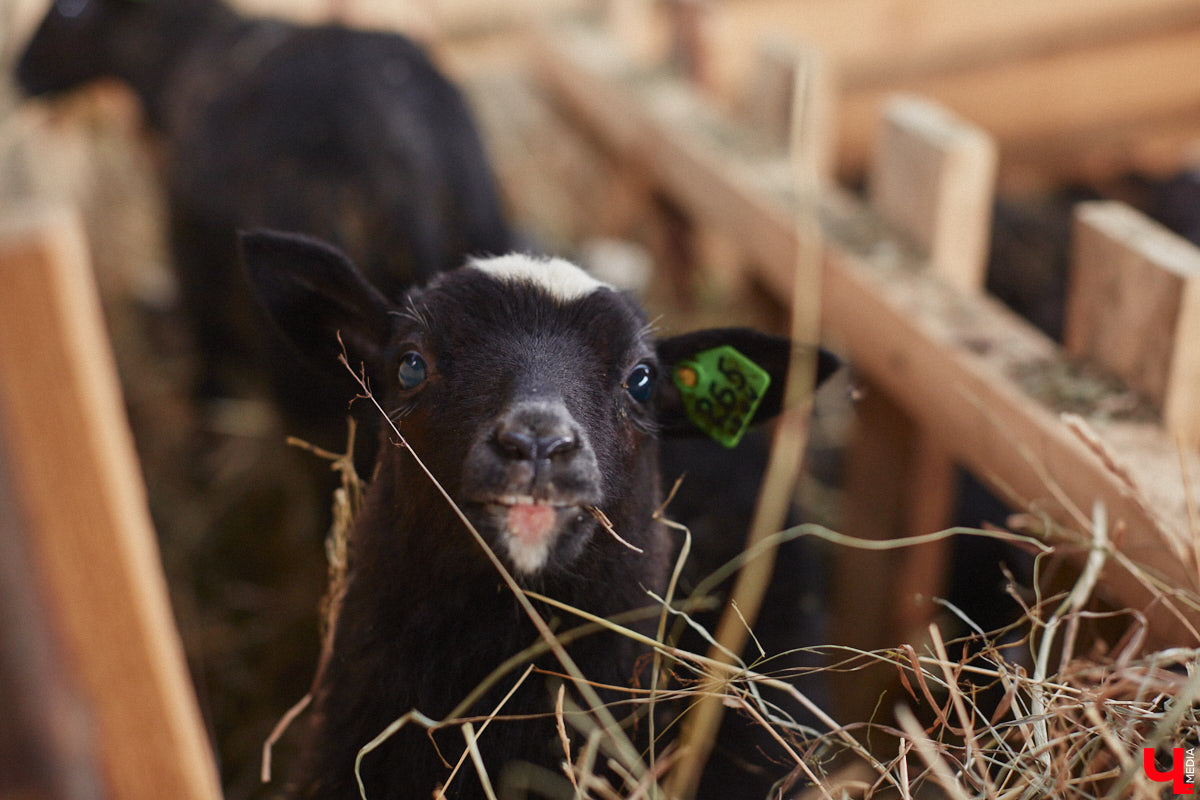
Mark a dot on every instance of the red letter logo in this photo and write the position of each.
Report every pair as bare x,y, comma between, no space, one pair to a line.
1176,775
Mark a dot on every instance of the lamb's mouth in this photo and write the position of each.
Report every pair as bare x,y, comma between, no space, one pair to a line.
528,528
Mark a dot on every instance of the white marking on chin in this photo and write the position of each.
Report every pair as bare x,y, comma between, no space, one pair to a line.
528,559
562,279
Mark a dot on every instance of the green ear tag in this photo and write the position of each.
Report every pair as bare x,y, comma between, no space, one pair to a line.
721,390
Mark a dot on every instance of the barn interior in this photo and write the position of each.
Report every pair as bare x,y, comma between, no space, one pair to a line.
991,213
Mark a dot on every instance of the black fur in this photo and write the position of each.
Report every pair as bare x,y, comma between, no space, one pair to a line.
348,135
425,617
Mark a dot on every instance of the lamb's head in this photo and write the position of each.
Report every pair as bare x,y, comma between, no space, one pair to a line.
133,40
72,44
534,393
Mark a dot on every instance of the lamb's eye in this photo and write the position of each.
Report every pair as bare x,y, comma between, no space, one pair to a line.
413,370
640,383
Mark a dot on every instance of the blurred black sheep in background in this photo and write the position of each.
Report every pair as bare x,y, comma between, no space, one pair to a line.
349,135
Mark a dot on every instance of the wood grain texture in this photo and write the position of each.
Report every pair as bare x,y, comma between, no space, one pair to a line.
47,750
879,42
933,177
1133,308
954,361
74,468
932,180
1058,94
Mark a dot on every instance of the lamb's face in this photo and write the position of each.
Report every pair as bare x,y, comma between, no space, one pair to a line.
529,389
533,392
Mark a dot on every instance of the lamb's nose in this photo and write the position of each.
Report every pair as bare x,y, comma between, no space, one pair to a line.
522,444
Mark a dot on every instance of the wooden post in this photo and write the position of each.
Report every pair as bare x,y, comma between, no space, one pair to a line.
76,478
933,179
636,26
689,47
879,487
948,358
1134,308
46,747
771,95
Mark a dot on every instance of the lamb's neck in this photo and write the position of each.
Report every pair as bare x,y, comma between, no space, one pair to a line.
425,620
190,45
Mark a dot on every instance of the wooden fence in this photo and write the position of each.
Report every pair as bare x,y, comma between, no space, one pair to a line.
1071,90
95,675
951,377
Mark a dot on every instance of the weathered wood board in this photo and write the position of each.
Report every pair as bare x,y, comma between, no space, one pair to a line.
77,481
963,364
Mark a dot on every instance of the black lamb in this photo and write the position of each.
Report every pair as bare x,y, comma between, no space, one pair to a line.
534,394
348,135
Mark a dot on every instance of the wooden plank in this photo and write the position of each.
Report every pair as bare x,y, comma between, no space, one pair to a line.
771,98
1061,93
1134,308
770,89
582,70
863,587
636,23
78,481
689,52
46,747
949,360
933,176
878,42
946,358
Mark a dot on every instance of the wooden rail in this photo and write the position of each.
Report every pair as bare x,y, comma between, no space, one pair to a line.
43,754
962,365
932,179
878,42
83,521
1067,88
1134,307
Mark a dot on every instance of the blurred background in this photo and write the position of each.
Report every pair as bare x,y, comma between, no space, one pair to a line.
1084,100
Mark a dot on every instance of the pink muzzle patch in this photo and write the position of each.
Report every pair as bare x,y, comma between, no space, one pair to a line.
530,523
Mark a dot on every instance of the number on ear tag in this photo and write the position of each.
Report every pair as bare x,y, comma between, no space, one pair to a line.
721,390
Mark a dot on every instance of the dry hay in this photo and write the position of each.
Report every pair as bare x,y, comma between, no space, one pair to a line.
1041,708
1071,718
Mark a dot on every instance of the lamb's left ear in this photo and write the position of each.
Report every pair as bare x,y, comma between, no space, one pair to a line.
721,381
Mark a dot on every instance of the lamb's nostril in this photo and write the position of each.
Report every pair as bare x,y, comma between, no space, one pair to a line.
517,445
550,446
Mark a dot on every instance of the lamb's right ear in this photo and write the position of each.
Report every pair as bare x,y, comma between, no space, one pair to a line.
314,294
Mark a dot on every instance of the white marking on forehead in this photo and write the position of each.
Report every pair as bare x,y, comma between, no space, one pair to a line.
562,279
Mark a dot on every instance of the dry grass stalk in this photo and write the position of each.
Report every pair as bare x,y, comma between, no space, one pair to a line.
1072,730
629,756
1070,720
347,501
